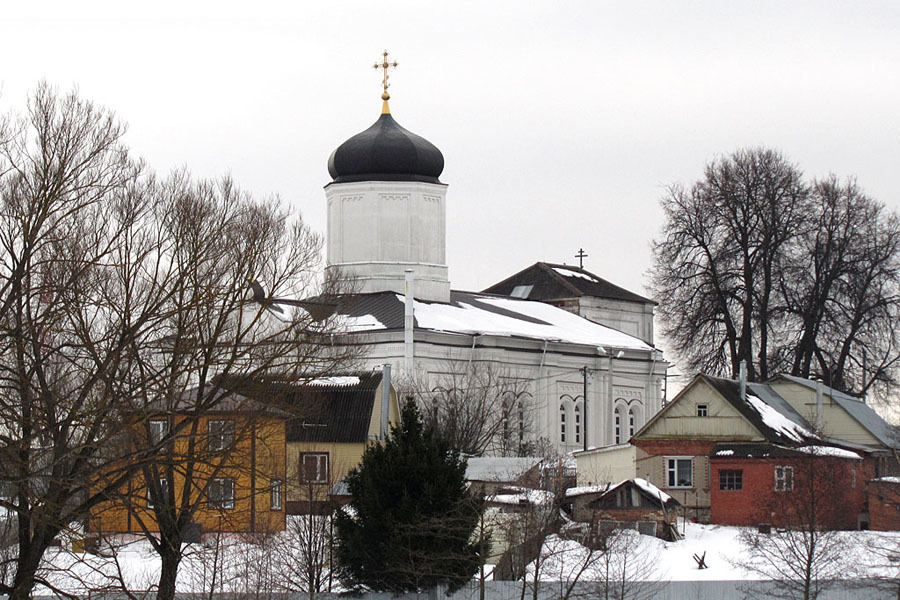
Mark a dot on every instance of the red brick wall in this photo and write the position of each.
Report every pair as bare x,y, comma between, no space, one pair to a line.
884,506
757,502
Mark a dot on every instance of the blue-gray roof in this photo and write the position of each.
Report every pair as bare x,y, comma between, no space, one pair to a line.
859,410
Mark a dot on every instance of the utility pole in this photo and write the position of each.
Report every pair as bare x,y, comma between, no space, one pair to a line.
584,372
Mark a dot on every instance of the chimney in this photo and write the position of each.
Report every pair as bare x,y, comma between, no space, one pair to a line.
820,392
385,399
742,380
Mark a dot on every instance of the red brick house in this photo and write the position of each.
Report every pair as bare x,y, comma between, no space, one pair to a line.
679,449
884,504
756,484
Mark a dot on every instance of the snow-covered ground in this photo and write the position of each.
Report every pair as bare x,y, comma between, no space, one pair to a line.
871,554
233,563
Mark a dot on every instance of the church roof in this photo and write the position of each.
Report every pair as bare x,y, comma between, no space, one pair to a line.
547,282
386,152
480,314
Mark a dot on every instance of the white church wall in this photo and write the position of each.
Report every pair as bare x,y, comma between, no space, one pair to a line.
554,376
379,229
633,318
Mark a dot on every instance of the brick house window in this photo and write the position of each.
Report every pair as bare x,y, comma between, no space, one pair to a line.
853,478
221,493
275,493
314,467
703,410
679,472
221,434
731,479
784,479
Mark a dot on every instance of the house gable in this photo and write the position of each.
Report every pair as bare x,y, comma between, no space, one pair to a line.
680,420
837,422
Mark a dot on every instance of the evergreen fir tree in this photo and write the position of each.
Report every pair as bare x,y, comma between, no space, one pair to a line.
412,520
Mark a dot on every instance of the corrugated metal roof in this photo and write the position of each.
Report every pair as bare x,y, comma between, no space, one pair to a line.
320,413
864,414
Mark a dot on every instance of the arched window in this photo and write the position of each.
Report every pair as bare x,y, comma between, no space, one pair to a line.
619,423
634,420
562,423
578,423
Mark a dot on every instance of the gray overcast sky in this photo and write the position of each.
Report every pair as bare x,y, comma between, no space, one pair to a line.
560,123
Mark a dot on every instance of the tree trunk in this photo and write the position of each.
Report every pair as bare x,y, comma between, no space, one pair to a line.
170,559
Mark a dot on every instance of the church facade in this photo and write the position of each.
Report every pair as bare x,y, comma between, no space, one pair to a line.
577,360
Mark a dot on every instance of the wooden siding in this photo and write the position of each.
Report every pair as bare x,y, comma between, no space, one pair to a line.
257,458
836,422
680,418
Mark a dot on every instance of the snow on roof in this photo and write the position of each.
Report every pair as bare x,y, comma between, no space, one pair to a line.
498,468
587,489
829,451
652,489
565,272
344,380
888,479
725,453
524,496
353,324
777,421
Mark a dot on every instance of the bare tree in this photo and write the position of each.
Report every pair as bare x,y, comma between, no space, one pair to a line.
223,335
479,407
74,306
803,553
756,265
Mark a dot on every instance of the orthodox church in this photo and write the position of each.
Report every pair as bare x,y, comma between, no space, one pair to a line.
578,349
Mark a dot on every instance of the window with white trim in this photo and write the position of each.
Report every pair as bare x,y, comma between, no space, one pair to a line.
679,472
618,430
314,467
220,434
221,493
784,479
163,490
703,410
158,430
275,494
631,421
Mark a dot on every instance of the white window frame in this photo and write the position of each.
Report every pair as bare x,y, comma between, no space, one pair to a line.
672,463
703,410
164,488
162,425
225,501
322,460
784,478
276,494
218,436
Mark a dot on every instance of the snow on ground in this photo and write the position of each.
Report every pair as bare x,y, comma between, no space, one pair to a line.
242,562
658,560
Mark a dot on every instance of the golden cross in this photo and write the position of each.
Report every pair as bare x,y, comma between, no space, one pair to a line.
385,64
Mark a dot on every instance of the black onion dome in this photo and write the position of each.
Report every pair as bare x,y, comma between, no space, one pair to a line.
386,152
